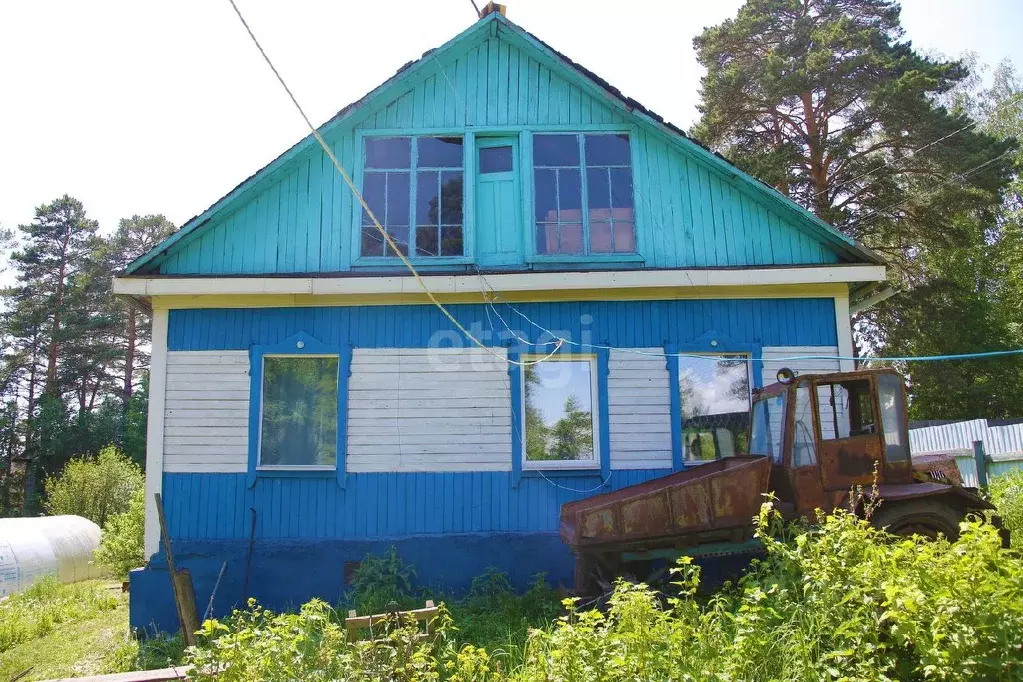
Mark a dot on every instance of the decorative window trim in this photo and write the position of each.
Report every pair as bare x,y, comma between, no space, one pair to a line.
300,344
529,192
601,463
710,343
468,218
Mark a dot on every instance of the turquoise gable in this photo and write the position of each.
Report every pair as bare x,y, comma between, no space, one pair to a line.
692,209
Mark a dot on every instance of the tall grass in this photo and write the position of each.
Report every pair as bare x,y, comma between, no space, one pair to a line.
48,603
841,601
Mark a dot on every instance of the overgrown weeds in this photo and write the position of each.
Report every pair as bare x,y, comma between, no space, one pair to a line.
841,600
1007,494
36,611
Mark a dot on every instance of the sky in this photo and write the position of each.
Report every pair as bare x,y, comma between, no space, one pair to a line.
163,107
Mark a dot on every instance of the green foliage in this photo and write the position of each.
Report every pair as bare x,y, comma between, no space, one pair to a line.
121,547
840,601
48,603
148,653
97,488
1007,495
383,582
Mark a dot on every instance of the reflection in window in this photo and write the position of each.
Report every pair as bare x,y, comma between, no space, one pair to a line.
424,173
298,422
803,453
569,170
496,159
714,392
767,432
893,418
560,425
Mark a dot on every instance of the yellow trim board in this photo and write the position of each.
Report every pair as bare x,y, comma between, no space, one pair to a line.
179,301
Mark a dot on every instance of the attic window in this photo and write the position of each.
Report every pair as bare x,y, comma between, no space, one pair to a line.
414,181
583,194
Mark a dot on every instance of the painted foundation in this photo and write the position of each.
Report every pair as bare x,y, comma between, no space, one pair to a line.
287,573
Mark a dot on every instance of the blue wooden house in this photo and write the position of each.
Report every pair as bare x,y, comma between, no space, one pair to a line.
306,393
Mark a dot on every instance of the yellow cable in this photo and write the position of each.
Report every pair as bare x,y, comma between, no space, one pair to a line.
390,242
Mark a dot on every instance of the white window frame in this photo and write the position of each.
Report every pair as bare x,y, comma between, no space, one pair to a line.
262,392
539,465
678,389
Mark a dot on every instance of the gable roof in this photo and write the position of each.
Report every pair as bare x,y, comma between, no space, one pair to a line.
842,244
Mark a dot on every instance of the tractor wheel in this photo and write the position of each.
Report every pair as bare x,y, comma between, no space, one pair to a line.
927,518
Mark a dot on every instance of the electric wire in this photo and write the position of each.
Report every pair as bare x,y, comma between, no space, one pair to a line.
365,206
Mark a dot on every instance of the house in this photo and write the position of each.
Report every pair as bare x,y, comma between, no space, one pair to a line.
306,393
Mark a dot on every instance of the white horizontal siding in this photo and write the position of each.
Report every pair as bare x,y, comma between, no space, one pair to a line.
206,415
639,409
428,410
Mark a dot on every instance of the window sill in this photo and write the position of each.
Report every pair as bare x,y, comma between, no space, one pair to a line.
562,472
388,261
594,258
304,472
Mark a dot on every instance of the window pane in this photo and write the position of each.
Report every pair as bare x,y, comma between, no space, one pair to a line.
600,237
546,198
570,195
299,420
373,191
372,241
426,240
767,434
400,235
388,152
845,409
397,200
546,238
555,150
496,159
451,198
893,418
451,241
427,184
625,237
439,152
598,193
571,238
621,188
607,150
715,397
558,411
803,453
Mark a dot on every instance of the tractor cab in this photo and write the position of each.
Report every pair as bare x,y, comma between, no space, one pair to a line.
826,433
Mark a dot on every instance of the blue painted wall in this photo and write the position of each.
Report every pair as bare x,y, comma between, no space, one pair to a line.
450,525
299,218
622,324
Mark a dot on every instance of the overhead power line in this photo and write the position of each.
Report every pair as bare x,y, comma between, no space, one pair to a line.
369,211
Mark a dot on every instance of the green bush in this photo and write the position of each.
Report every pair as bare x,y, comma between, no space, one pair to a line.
97,488
36,611
383,583
120,548
1007,494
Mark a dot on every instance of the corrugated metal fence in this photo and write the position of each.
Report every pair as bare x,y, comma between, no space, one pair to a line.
1002,444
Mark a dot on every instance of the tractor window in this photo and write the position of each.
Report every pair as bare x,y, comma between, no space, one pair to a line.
893,417
845,409
803,451
767,432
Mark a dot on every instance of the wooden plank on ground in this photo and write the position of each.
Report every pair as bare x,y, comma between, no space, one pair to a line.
161,675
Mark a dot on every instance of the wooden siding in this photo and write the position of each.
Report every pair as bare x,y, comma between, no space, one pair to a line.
206,412
773,360
623,324
381,505
299,219
639,410
413,409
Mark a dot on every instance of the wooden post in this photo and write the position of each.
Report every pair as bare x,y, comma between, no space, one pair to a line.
181,583
980,459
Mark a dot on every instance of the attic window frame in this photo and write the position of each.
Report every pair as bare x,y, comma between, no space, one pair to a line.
467,224
586,256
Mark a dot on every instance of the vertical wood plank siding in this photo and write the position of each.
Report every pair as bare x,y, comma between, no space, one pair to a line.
375,505
299,219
